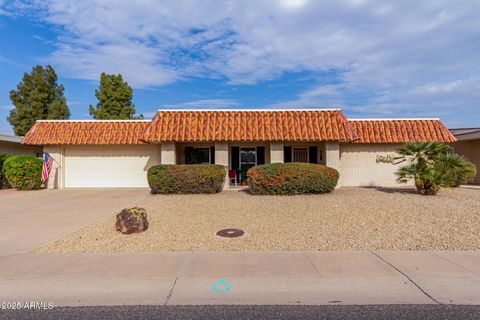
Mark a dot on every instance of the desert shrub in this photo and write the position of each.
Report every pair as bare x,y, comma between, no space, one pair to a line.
3,182
23,172
432,166
458,168
292,178
186,178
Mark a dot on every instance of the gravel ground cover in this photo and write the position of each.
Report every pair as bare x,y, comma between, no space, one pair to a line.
348,218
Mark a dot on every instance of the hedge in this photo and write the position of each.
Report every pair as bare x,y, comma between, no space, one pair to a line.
3,182
186,178
291,178
23,172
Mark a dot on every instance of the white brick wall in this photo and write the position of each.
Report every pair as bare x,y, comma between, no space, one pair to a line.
221,153
221,158
276,152
332,155
358,165
167,153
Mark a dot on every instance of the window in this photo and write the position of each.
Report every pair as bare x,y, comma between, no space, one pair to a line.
197,155
247,156
300,155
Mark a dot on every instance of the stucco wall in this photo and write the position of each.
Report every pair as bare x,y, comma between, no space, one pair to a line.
17,148
358,165
471,150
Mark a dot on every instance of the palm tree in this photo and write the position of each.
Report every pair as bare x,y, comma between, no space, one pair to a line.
458,167
432,165
422,152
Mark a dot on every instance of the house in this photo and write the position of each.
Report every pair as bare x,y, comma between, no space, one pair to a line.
99,153
13,145
468,145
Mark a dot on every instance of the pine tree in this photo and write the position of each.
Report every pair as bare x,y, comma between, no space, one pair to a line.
114,99
38,96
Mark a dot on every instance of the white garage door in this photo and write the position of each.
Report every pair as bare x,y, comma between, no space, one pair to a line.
108,166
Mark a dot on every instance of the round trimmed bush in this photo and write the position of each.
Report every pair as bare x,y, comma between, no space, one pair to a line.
186,178
291,178
23,172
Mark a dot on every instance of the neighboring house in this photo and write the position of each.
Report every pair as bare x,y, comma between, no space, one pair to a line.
102,153
13,145
468,145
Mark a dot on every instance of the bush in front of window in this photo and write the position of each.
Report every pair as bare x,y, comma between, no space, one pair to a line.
23,172
186,178
292,178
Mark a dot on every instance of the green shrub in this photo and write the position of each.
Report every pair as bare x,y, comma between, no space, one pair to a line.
186,178
458,168
23,172
291,178
432,166
3,182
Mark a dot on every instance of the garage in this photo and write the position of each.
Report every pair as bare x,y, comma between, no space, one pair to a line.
108,166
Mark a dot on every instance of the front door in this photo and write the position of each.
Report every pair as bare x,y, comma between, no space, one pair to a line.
248,159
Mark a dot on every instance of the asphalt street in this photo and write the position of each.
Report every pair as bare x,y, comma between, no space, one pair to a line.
370,312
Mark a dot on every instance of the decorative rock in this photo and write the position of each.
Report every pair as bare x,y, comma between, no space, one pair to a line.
132,220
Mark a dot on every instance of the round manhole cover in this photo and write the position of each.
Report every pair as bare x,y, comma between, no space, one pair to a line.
230,233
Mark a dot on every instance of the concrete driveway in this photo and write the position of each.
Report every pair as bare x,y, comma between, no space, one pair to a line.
31,219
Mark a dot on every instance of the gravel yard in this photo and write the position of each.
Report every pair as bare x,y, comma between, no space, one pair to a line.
349,218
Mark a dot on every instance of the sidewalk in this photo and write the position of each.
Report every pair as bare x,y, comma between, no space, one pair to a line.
324,278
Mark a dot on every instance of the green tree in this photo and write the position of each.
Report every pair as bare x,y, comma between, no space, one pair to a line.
114,99
38,96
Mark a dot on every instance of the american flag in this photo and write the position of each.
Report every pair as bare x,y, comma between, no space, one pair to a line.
47,166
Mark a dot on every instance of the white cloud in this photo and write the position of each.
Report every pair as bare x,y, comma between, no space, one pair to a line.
324,96
3,12
405,49
154,43
7,107
293,4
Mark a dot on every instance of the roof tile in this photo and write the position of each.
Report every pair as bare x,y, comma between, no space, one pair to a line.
301,125
401,131
85,132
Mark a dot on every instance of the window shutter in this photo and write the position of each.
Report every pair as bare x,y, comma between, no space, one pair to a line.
312,154
287,154
260,155
212,155
235,158
188,155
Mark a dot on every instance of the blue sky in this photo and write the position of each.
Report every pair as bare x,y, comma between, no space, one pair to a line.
372,59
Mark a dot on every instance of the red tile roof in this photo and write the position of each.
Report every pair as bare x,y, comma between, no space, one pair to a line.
299,125
85,132
401,131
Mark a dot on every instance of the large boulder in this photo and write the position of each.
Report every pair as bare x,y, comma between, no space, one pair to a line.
132,220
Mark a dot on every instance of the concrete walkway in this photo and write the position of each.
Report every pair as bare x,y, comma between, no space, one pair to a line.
324,278
31,219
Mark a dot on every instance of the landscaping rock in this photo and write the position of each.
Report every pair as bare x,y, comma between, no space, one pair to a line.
132,220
